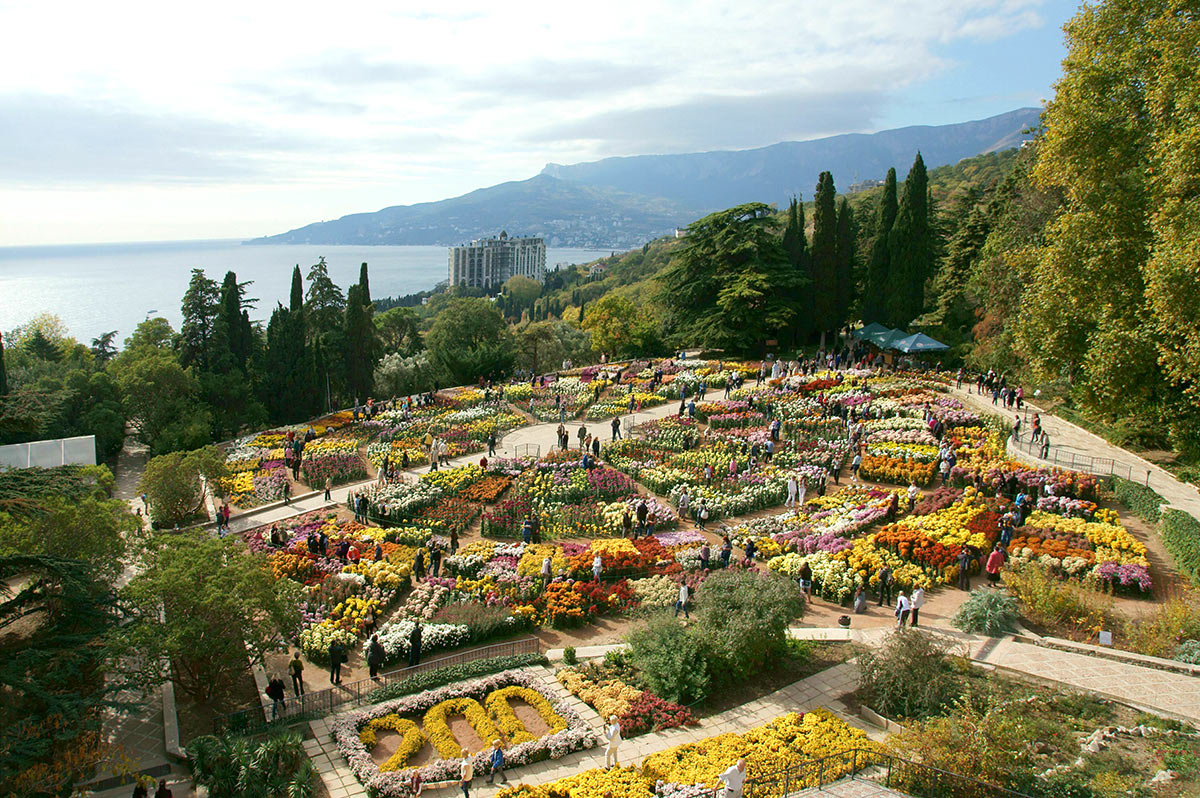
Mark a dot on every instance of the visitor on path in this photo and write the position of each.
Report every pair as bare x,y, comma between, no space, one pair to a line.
681,603
802,492
903,608
643,512
627,523
287,491
917,602
414,646
375,655
994,561
885,585
139,789
792,487
726,549
705,555
582,434
964,569
735,776
612,733
597,567
337,655
296,669
415,785
163,790
860,601
1045,451
750,550
492,445
547,570
527,531
278,696
804,575
913,494
596,447
616,429
497,761
854,464
466,772
684,502
419,566
328,489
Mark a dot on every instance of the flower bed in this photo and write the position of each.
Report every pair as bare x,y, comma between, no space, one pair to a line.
568,731
638,711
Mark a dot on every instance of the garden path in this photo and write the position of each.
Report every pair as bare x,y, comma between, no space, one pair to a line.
1070,441
823,689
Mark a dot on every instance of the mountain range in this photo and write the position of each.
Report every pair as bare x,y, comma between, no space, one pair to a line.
622,202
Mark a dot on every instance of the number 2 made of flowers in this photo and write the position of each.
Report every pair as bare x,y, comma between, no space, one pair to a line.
510,725
438,730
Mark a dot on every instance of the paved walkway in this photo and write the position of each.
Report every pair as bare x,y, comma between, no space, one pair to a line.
1070,443
820,690
850,788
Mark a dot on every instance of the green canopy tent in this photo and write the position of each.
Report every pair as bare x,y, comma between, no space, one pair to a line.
885,338
917,343
871,329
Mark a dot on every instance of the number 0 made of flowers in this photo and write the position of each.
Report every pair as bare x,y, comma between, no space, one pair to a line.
412,739
438,730
510,725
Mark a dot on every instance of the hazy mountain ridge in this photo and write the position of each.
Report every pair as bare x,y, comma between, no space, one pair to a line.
621,202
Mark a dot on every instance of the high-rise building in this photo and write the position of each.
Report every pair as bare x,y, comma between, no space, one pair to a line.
489,262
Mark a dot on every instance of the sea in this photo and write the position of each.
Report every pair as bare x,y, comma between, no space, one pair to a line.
95,288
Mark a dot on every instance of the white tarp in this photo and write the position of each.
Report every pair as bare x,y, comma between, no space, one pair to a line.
50,454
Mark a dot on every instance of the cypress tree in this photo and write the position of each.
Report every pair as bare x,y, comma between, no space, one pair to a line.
3,370
824,257
879,264
230,347
795,243
911,248
360,344
844,247
296,303
364,283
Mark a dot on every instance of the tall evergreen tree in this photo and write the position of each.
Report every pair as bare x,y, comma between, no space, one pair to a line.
325,305
3,370
359,347
232,326
296,302
289,377
824,272
844,258
795,242
364,283
875,292
199,310
911,248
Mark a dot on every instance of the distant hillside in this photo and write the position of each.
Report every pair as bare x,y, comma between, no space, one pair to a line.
715,180
567,214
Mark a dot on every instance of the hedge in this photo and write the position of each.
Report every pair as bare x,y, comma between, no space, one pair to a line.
1180,533
437,677
1141,500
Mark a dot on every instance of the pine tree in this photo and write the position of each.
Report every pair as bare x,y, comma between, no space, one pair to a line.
324,305
911,248
845,261
875,292
823,272
231,337
199,310
296,303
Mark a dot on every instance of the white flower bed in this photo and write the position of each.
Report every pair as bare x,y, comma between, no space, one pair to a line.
394,637
394,784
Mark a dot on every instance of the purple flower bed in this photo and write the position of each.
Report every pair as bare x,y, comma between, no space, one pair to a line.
1125,575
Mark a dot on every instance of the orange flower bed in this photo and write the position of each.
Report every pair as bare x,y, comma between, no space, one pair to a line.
487,490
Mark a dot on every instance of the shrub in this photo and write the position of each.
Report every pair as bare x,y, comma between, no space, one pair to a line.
1158,633
1180,533
1189,652
483,622
671,660
1141,500
987,612
911,676
744,620
420,682
277,767
569,657
1059,606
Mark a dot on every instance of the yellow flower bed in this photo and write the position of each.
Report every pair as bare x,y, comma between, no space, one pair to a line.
784,741
438,731
507,721
613,547
1111,539
867,559
383,573
412,739
609,697
948,526
530,563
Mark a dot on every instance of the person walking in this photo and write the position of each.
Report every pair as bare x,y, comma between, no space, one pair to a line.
994,561
296,669
805,577
375,655
802,491
497,761
597,567
964,569
854,465
726,551
885,585
612,733
163,790
735,776
916,602
681,603
414,646
791,491
547,571
702,514
860,600
466,772
903,608
616,429
328,489
492,444
435,560
705,555
337,655
527,531
913,493
278,696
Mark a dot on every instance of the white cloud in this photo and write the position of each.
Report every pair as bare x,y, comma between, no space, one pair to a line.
420,102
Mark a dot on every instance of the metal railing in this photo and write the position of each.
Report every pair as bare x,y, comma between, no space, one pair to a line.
533,450
319,703
1072,461
893,772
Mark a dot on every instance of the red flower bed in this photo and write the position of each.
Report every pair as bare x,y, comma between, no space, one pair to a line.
651,713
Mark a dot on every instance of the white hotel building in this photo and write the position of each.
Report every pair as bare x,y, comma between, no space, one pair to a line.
489,262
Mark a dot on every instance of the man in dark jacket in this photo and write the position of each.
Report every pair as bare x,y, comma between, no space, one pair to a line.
337,655
375,655
414,646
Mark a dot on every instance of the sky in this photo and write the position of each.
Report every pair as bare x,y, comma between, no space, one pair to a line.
143,121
